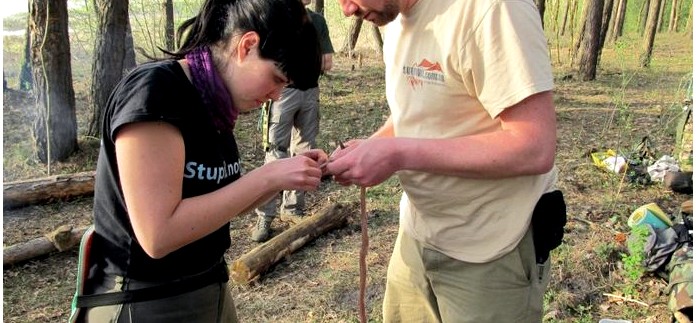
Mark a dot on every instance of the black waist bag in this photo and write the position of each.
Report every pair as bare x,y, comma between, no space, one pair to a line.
548,220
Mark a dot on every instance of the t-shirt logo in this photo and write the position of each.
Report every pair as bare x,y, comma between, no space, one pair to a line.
202,172
424,72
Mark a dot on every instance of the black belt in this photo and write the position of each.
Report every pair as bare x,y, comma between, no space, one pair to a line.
217,274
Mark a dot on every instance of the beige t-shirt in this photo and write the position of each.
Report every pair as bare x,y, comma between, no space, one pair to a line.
451,67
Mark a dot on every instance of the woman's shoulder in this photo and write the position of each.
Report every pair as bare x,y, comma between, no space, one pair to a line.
163,71
158,88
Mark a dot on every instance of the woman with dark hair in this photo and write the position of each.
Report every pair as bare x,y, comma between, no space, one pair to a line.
169,176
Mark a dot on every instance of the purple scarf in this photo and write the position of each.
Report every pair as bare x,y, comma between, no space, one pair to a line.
213,91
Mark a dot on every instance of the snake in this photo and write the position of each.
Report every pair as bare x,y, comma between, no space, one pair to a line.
363,256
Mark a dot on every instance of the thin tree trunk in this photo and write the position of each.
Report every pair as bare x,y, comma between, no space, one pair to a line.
690,22
352,38
26,81
565,17
377,36
660,21
606,18
556,15
572,49
673,16
169,25
583,27
612,21
587,66
55,128
649,36
644,16
619,22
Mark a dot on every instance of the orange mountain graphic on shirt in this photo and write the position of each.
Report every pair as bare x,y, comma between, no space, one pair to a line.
425,71
430,66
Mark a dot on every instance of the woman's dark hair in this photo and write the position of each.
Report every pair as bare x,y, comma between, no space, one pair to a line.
280,25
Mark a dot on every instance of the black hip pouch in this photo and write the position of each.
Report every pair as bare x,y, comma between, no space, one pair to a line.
548,220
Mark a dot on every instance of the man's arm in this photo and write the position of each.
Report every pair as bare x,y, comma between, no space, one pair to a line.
525,145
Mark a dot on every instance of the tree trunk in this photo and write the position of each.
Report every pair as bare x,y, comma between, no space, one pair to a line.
660,21
55,128
555,16
47,189
565,17
644,16
582,31
589,53
352,38
649,36
110,57
673,15
319,7
62,239
251,265
690,22
26,81
619,21
377,35
606,18
612,21
541,6
169,25
573,11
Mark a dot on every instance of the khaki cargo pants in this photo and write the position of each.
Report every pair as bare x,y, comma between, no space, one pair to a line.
424,285
293,129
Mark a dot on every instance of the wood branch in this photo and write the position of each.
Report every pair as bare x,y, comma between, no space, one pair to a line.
626,299
62,239
251,265
47,189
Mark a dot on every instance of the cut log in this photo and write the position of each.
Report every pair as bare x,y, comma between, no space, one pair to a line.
688,207
62,239
251,265
48,189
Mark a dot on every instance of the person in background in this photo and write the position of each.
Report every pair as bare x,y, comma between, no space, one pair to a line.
169,176
293,126
472,138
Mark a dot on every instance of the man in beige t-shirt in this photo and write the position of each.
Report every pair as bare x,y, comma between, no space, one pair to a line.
472,138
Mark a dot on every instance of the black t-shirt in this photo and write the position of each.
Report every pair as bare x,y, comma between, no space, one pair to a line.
160,91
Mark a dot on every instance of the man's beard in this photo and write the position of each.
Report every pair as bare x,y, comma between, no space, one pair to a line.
386,15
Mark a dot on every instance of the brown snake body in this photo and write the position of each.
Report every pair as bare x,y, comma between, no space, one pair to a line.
363,256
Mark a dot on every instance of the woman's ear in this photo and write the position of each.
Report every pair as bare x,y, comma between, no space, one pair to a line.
248,44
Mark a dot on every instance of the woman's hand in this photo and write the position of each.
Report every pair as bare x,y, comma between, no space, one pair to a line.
302,172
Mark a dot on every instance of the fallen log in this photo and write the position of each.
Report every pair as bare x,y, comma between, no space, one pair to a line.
61,239
47,189
251,265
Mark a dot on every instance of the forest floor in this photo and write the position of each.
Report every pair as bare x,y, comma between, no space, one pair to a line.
319,282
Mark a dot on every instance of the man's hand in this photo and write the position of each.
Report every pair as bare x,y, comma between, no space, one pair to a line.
363,162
